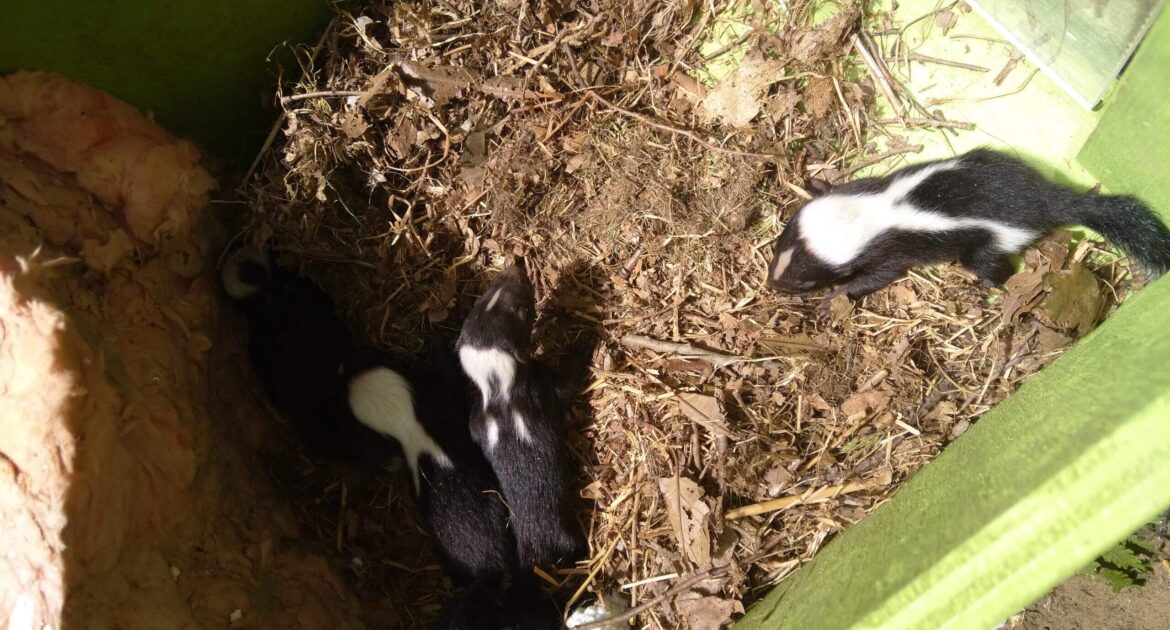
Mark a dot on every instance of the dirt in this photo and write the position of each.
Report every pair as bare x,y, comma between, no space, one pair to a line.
1087,603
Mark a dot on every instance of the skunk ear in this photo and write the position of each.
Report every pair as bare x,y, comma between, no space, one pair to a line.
817,187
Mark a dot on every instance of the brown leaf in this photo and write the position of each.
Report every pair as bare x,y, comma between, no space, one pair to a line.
1022,291
945,20
841,307
707,612
737,98
864,403
778,478
353,124
1055,249
815,43
689,88
819,96
402,141
904,296
1075,300
441,83
789,345
704,410
437,305
688,515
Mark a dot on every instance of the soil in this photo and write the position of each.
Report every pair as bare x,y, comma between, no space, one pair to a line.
1088,603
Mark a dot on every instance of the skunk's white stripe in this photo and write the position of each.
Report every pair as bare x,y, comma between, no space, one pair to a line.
381,399
781,263
485,366
837,228
521,428
495,298
493,433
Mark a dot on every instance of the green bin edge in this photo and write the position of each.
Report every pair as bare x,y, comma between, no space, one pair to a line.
197,66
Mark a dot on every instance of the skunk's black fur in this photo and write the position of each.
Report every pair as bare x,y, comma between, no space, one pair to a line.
528,455
982,185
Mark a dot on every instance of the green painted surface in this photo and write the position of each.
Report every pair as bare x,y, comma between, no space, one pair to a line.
1043,483
1027,112
198,65
1128,151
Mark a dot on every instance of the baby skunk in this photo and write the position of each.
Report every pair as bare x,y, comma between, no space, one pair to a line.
517,419
978,208
298,348
457,493
347,403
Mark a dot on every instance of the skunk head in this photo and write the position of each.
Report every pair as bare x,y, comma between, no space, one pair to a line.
503,316
246,274
794,267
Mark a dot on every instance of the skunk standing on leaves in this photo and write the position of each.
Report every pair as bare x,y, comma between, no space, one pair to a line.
978,208
517,418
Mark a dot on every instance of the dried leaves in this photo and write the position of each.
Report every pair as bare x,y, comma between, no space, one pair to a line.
688,516
455,136
707,612
1074,299
738,98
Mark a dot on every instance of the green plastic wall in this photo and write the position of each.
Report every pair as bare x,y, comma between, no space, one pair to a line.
1130,149
197,65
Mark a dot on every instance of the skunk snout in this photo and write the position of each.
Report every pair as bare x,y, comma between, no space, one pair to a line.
511,292
503,316
779,278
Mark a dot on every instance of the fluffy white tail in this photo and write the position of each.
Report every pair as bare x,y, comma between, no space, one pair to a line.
381,399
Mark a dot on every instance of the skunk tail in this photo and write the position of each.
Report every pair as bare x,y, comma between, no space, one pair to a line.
1130,224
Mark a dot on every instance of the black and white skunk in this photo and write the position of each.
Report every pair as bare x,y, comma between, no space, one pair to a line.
517,418
458,496
298,348
979,209
351,404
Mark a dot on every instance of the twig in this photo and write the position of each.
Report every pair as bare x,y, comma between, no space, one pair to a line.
817,496
322,94
879,75
889,77
874,159
943,62
628,268
1024,350
543,58
679,130
679,587
689,350
268,141
1012,62
729,46
928,122
592,92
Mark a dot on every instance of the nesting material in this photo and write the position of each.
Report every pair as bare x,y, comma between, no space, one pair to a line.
126,497
728,432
